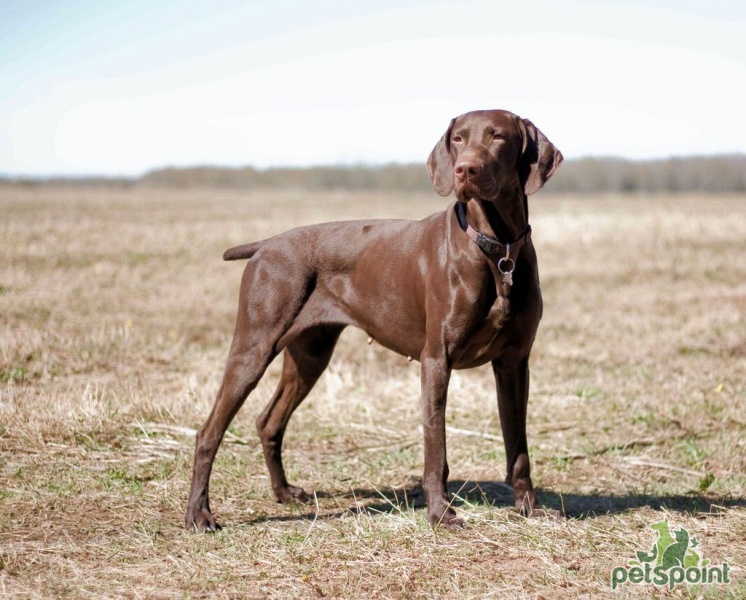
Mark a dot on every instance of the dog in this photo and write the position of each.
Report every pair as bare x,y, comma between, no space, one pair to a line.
456,290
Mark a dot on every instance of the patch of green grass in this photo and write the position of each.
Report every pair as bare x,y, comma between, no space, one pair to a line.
691,451
117,476
705,482
589,392
13,375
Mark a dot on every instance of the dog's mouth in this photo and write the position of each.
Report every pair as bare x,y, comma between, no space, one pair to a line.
469,190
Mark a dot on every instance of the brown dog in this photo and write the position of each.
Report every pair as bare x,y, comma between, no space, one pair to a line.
455,290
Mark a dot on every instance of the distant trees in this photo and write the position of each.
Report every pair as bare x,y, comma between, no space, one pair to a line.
360,177
712,174
715,174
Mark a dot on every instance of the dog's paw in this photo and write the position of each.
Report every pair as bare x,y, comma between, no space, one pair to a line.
445,519
292,494
543,513
537,512
201,520
451,523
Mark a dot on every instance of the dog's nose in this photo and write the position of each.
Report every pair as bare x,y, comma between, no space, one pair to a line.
467,168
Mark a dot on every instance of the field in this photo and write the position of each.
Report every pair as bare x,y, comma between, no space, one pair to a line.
116,312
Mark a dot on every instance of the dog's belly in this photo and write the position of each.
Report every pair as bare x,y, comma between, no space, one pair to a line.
392,322
395,321
406,343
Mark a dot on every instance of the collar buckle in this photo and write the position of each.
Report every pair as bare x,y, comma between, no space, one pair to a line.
488,244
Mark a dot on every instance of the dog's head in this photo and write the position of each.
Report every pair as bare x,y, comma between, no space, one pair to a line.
487,151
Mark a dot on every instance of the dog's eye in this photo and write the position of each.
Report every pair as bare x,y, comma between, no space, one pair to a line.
456,139
498,136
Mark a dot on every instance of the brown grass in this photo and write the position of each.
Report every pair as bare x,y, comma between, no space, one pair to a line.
116,312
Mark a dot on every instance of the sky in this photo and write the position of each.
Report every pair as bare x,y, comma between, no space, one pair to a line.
119,88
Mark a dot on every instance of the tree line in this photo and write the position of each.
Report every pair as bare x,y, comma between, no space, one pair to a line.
712,174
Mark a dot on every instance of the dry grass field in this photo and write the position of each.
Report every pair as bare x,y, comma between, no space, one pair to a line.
116,312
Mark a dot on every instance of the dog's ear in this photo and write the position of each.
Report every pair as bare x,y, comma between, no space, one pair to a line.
539,160
440,164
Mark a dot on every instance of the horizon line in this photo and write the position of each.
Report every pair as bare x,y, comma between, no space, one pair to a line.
20,177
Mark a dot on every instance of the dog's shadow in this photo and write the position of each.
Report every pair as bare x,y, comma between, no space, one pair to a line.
499,495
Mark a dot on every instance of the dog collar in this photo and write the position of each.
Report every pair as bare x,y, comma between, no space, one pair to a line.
492,247
488,244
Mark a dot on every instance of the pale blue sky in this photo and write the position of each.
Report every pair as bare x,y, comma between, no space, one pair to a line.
113,88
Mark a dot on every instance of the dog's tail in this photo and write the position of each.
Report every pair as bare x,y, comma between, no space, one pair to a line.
240,252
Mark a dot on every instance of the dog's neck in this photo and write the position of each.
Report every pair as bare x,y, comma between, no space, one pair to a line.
504,218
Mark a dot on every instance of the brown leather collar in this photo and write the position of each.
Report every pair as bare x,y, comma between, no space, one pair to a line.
492,247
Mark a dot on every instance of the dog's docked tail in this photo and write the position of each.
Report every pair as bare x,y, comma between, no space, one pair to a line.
240,252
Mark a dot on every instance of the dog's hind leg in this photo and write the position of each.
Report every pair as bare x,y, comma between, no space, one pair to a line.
243,372
269,303
304,360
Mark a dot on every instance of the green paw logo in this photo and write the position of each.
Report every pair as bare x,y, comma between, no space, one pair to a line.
673,559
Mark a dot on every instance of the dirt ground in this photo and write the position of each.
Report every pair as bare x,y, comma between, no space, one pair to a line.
116,312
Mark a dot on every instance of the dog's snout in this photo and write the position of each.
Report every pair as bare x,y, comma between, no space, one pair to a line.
467,168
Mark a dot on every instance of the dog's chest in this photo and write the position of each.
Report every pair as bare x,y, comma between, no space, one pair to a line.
484,338
497,314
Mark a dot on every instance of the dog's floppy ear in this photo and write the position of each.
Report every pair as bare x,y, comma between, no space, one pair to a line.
539,160
440,164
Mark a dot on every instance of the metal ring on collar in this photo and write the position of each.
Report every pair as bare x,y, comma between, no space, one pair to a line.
506,265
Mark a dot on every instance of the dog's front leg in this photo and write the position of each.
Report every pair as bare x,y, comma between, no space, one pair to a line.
512,399
435,376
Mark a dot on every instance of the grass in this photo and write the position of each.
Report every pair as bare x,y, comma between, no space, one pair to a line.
116,313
